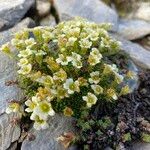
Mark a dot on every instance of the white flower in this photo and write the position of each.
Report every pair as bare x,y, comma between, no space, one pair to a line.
52,95
82,81
5,48
93,60
62,50
125,90
61,92
114,68
103,32
32,104
94,77
43,110
60,75
76,57
95,52
40,53
111,93
22,62
46,80
30,42
71,86
13,107
110,68
94,57
115,97
71,41
26,69
94,36
15,42
105,42
25,53
90,99
77,64
63,60
74,32
39,123
76,60
97,89
83,35
119,78
131,75
85,43
65,29
47,36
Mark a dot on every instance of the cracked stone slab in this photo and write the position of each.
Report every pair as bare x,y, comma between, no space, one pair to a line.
12,11
133,29
8,132
93,10
46,139
138,54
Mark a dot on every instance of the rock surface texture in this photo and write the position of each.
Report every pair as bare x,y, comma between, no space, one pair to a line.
133,29
137,53
12,11
93,10
142,11
8,131
46,139
43,7
13,146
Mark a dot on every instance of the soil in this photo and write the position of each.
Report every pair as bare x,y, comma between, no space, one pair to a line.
134,110
130,118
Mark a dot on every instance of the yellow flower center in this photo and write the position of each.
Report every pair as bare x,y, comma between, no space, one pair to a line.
72,86
95,77
45,107
90,99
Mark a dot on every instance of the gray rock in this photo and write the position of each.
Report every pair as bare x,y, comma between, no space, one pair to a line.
7,72
145,42
93,10
140,146
25,23
46,139
9,132
133,29
43,7
11,12
48,21
139,55
13,146
2,23
143,11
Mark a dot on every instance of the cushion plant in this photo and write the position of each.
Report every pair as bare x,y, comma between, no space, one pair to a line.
66,69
